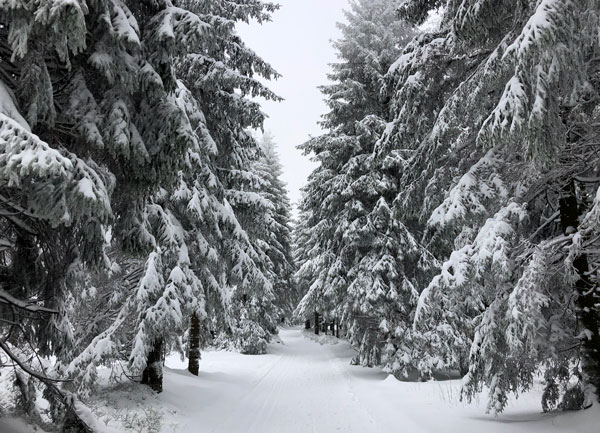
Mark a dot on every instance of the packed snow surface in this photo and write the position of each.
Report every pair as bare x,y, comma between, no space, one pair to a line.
305,384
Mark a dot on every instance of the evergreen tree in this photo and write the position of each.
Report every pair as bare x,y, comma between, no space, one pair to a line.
346,199
89,78
148,127
200,251
222,77
491,166
114,212
279,237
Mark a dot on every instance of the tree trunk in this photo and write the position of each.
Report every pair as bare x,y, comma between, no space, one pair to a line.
317,324
337,328
152,375
587,295
463,365
307,324
194,345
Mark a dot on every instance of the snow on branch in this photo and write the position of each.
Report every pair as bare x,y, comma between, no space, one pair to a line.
31,306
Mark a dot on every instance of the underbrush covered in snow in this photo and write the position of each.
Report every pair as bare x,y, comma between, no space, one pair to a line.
321,338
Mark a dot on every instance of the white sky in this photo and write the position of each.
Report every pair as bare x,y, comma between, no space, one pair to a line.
297,44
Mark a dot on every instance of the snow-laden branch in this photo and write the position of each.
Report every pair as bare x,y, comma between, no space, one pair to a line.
7,298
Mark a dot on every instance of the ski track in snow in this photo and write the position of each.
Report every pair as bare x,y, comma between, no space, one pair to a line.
301,386
303,391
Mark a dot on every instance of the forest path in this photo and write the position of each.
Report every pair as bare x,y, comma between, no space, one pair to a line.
305,384
302,386
304,390
299,386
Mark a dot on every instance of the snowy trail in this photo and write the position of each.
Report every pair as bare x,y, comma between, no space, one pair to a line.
303,391
303,386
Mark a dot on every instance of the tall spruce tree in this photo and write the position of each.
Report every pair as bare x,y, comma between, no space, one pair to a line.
116,214
222,75
346,198
148,242
279,231
201,250
89,79
493,130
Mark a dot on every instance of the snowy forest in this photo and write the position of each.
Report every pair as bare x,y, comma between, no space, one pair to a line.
448,236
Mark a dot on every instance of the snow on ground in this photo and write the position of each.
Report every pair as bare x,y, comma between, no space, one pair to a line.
435,407
15,425
306,384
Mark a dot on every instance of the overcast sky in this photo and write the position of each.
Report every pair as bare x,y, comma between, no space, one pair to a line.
297,44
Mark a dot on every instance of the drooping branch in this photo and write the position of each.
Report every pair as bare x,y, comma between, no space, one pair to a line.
68,399
27,369
7,298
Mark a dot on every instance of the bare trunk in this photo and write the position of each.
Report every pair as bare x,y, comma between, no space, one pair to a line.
317,323
194,346
587,294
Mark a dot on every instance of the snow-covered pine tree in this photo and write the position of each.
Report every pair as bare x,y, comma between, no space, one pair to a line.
189,234
130,111
279,238
488,121
186,223
422,150
96,82
253,301
198,203
302,242
222,75
320,229
55,199
350,266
